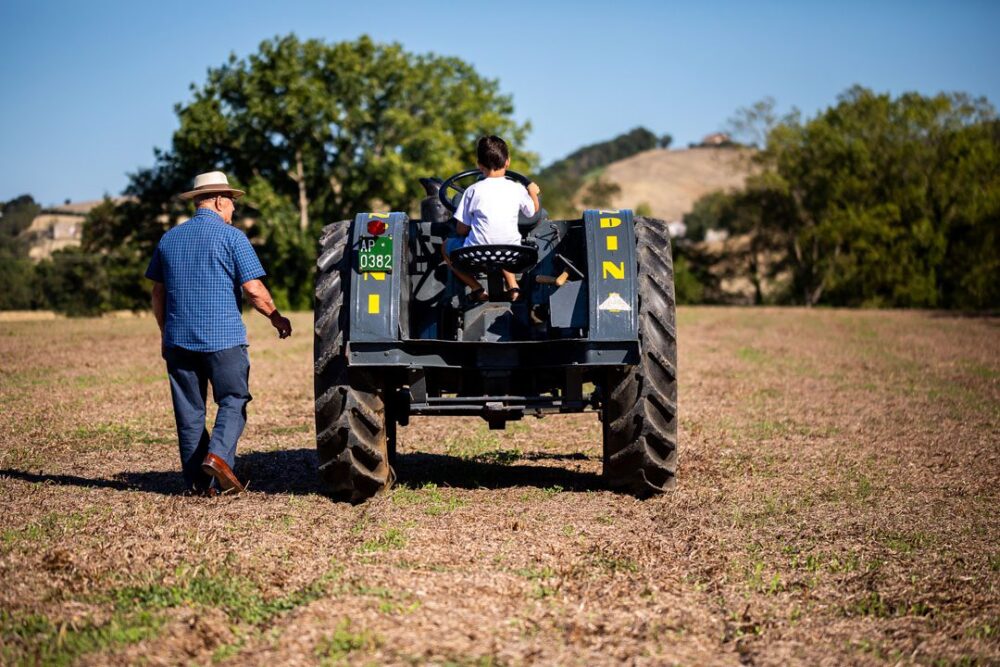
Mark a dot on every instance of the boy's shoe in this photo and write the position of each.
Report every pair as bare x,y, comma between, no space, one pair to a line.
479,294
514,294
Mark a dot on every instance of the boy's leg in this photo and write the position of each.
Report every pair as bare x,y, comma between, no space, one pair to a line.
461,275
229,370
188,387
513,291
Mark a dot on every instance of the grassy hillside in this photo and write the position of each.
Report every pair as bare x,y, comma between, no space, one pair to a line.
670,181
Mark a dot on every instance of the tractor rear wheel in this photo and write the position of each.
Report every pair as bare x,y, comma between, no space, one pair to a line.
351,434
639,411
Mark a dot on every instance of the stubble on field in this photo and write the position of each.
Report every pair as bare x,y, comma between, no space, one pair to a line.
836,503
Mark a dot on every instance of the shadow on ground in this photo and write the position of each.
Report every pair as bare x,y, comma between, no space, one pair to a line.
294,471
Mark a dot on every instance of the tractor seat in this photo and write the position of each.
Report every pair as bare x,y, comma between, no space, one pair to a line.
491,259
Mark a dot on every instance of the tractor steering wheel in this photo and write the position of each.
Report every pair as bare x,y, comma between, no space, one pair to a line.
451,183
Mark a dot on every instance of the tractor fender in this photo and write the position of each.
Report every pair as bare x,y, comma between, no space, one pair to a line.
611,268
378,300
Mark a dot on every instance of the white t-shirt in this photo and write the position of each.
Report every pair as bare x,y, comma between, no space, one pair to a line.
490,208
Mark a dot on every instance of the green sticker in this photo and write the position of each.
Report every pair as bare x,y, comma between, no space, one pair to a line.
375,254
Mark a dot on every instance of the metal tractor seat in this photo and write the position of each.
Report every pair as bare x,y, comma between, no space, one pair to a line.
491,260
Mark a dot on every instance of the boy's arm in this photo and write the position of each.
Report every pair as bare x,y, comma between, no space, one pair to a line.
461,213
533,192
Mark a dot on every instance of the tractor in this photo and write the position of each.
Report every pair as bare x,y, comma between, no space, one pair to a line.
397,334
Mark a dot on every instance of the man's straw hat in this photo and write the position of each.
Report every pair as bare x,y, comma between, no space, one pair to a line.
214,182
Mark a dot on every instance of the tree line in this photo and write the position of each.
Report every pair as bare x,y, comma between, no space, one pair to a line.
313,132
877,201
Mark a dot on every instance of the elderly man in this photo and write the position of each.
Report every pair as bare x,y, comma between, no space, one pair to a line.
199,268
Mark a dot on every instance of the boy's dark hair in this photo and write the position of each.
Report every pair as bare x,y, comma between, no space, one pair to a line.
492,152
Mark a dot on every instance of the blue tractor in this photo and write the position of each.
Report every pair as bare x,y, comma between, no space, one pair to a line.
396,334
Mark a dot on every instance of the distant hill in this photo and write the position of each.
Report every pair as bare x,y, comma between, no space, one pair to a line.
561,180
586,159
670,181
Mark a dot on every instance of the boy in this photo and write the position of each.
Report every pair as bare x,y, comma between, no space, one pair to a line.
487,212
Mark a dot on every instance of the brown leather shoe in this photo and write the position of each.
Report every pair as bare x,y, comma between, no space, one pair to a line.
222,473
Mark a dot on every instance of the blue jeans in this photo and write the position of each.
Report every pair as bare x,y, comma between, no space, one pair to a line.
190,372
453,243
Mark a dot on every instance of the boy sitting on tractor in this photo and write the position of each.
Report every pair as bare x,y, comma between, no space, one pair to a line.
487,212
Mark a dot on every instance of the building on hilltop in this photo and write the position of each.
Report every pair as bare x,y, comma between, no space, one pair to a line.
56,228
59,227
716,139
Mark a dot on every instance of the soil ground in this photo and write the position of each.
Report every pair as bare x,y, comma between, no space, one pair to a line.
837,503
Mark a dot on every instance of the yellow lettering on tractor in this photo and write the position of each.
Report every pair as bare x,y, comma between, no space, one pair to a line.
612,242
607,223
373,304
383,216
617,271
615,212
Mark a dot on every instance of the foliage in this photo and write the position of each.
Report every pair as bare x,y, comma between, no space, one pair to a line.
17,273
752,125
15,217
877,201
561,180
687,288
586,159
707,213
599,192
75,283
317,132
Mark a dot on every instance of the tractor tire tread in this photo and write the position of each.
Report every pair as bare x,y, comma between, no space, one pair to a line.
350,413
640,419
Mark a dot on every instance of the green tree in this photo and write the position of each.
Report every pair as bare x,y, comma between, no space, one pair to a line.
891,202
323,131
15,217
75,283
688,289
707,213
751,125
599,193
756,212
20,288
17,272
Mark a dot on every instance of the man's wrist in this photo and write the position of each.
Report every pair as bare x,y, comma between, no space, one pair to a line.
274,314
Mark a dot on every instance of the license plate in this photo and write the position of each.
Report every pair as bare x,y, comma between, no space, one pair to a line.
375,254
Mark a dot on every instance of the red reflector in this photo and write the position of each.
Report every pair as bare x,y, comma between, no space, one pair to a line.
376,227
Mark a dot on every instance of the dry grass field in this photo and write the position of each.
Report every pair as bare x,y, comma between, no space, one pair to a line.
837,503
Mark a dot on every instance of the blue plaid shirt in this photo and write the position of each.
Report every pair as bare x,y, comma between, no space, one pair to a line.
203,263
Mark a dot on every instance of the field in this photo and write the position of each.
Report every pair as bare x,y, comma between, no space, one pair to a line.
837,502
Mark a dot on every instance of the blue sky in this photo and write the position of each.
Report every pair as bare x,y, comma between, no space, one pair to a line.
88,88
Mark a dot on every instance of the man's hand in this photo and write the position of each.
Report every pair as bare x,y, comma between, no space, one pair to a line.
262,301
534,190
281,323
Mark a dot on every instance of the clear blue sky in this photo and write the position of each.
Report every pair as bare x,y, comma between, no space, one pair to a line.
88,88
